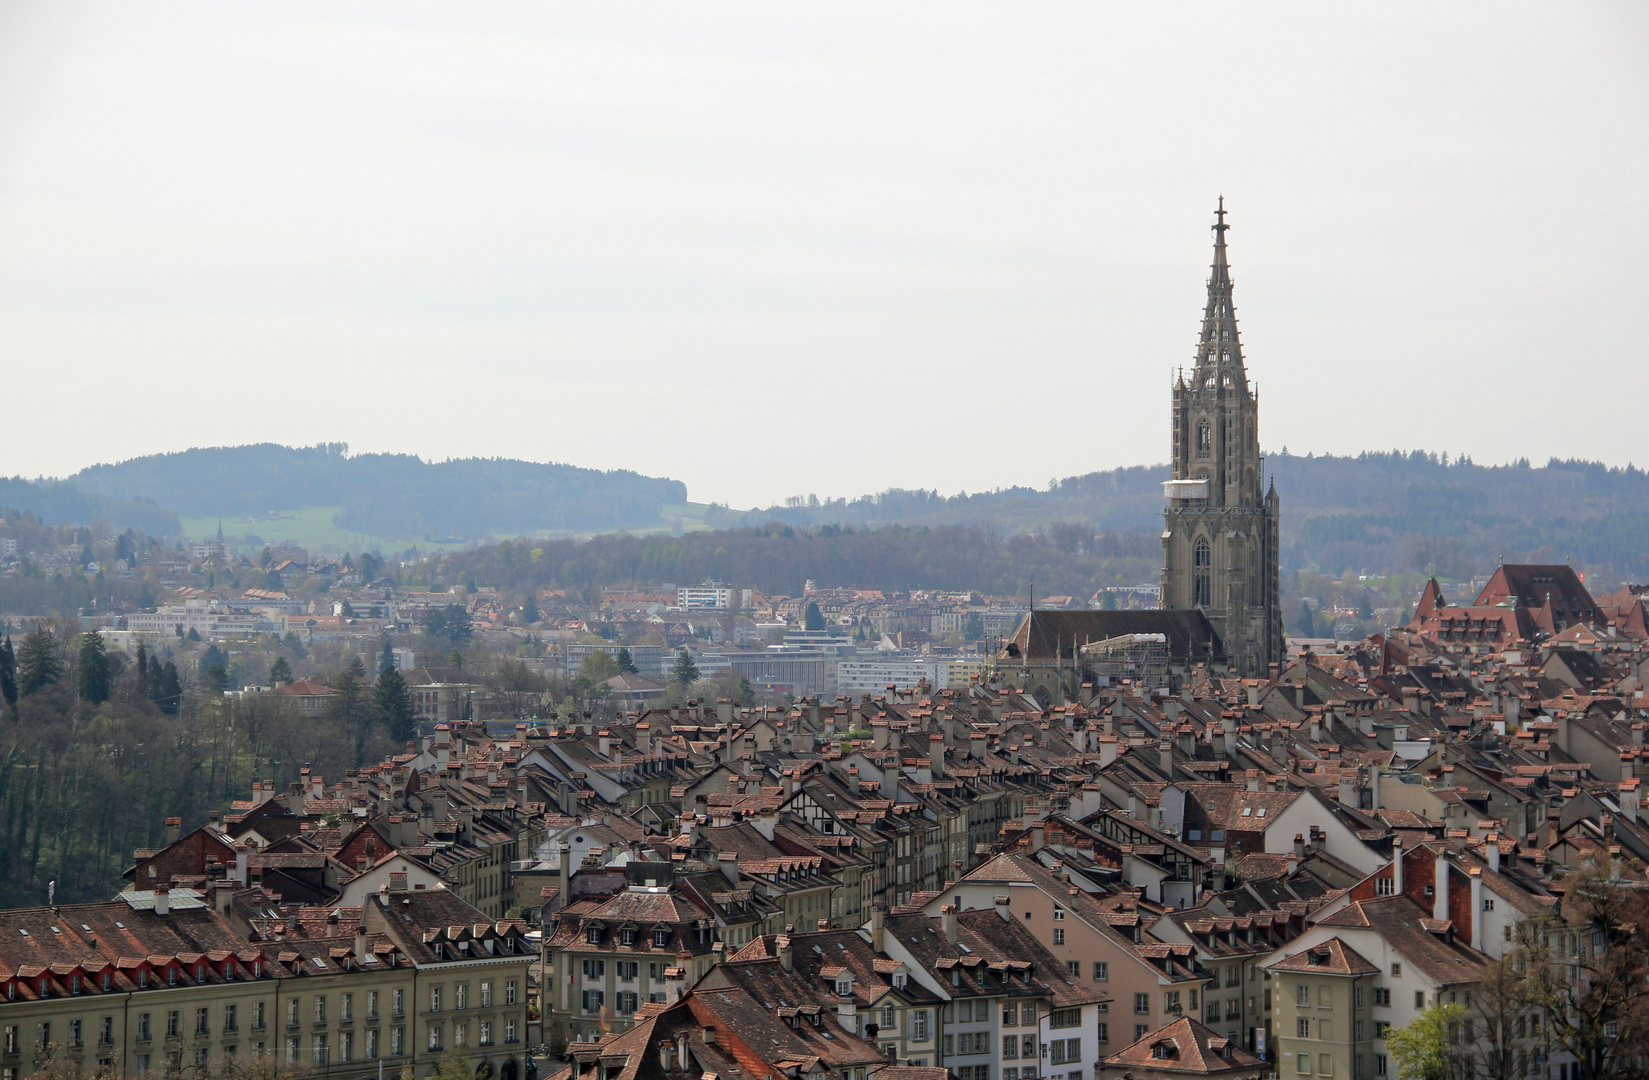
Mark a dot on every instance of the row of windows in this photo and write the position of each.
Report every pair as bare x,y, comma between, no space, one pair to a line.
461,1033
626,970
460,996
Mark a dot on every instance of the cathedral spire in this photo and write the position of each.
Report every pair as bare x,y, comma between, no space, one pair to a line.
1219,350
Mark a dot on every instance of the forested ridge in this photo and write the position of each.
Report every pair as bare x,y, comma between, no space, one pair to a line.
1379,513
393,495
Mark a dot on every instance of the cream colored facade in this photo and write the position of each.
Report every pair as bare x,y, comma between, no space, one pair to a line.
1324,1026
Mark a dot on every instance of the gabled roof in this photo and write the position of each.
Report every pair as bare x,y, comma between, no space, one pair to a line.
1331,957
1186,1047
1414,936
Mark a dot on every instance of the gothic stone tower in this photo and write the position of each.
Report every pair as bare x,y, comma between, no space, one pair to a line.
1220,544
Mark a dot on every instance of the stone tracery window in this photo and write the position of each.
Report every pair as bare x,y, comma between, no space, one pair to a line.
1205,439
1202,563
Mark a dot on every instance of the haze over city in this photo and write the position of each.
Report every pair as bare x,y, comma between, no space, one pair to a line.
831,250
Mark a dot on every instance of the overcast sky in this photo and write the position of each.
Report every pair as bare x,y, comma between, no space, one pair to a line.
777,249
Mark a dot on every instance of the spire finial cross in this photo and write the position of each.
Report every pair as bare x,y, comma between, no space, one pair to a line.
1219,216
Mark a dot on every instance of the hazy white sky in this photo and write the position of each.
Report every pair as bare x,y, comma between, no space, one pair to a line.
772,249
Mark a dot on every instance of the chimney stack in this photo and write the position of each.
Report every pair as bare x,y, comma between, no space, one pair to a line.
1440,888
163,898
1476,875
947,922
174,829
878,913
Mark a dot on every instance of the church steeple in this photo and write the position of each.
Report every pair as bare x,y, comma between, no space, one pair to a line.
1220,541
1219,349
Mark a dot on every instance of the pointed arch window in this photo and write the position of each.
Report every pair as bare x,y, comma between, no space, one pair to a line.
1202,581
1205,439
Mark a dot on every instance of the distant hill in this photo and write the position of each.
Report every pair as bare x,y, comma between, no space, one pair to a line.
398,496
58,503
1376,512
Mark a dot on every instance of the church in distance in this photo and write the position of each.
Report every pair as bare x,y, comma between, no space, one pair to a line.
1220,540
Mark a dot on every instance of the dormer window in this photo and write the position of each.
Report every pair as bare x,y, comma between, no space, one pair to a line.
108,980
627,936
593,935
844,987
661,937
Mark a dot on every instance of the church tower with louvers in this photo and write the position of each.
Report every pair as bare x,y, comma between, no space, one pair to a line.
1220,541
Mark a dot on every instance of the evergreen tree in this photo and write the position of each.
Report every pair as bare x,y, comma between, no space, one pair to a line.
529,610
215,678
156,680
626,665
142,666
8,677
280,672
393,701
38,663
1365,610
455,659
192,635
211,658
1307,627
812,618
686,672
92,669
169,690
386,658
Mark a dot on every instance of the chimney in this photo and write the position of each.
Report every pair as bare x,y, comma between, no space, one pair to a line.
724,711
1251,779
1374,786
360,944
1107,750
936,755
1299,845
1491,849
890,779
878,913
1316,726
787,956
729,865
1348,788
163,898
1440,888
398,881
1253,688
947,922
1629,800
1004,908
878,734
1165,758
174,829
1476,875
